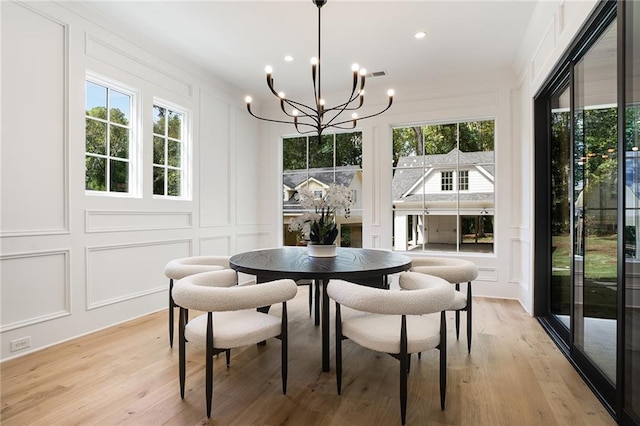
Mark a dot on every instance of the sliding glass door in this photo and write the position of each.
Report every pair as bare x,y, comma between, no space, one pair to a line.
631,356
587,206
595,115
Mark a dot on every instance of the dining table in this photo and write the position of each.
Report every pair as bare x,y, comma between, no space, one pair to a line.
370,267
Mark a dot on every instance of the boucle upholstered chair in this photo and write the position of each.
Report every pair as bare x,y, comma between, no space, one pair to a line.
396,322
179,268
455,271
231,319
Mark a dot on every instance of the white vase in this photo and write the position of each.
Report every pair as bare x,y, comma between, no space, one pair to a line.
321,250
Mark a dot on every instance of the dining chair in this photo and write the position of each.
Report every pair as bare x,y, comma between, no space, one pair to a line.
455,271
177,269
396,322
230,318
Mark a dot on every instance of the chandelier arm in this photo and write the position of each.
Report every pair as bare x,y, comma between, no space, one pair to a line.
314,130
279,121
338,126
340,109
312,113
366,116
352,97
270,85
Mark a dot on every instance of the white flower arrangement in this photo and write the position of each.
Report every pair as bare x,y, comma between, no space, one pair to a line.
318,222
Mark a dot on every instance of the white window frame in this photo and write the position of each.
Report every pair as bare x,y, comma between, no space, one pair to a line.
185,154
135,149
459,213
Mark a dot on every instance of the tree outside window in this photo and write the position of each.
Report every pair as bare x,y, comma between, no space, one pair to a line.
168,151
108,138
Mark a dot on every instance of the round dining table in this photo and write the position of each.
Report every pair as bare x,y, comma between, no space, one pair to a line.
369,267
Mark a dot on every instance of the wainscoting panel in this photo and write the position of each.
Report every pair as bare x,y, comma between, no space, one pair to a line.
252,241
544,50
116,221
248,176
486,273
214,162
122,272
215,246
35,288
34,174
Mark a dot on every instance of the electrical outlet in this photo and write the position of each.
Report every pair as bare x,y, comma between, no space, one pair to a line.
20,344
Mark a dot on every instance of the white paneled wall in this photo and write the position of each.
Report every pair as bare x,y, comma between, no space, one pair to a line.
72,263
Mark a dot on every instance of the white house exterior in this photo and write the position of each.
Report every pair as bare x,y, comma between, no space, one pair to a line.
435,191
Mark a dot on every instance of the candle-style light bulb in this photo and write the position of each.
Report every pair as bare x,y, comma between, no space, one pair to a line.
390,93
355,67
281,95
248,99
268,69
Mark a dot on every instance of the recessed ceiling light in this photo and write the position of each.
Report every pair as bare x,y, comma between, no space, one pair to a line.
420,34
288,58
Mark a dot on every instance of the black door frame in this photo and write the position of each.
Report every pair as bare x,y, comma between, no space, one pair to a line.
612,396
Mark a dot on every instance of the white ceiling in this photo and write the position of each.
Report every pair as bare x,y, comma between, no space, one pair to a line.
236,39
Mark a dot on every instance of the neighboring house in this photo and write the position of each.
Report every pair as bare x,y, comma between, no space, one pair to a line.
430,192
318,181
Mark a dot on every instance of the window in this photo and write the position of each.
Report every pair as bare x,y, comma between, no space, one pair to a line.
443,187
168,151
463,180
446,181
109,138
315,164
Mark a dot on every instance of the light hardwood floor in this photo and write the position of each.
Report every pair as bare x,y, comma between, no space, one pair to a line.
128,374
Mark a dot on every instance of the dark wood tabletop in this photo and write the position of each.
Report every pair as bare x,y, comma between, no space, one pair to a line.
362,266
294,263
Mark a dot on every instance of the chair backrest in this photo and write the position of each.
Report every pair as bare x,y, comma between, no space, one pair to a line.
215,292
451,269
428,294
182,267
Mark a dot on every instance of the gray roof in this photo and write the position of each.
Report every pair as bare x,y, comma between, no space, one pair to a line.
326,175
412,168
292,178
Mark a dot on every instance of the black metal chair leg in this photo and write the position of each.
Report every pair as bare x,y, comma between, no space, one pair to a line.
182,352
284,351
171,318
338,348
310,296
404,368
228,356
469,317
209,363
458,316
443,359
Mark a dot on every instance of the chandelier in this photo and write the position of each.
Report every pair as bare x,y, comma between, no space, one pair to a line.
318,117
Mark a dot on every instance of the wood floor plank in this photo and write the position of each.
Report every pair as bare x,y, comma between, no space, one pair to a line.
128,375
